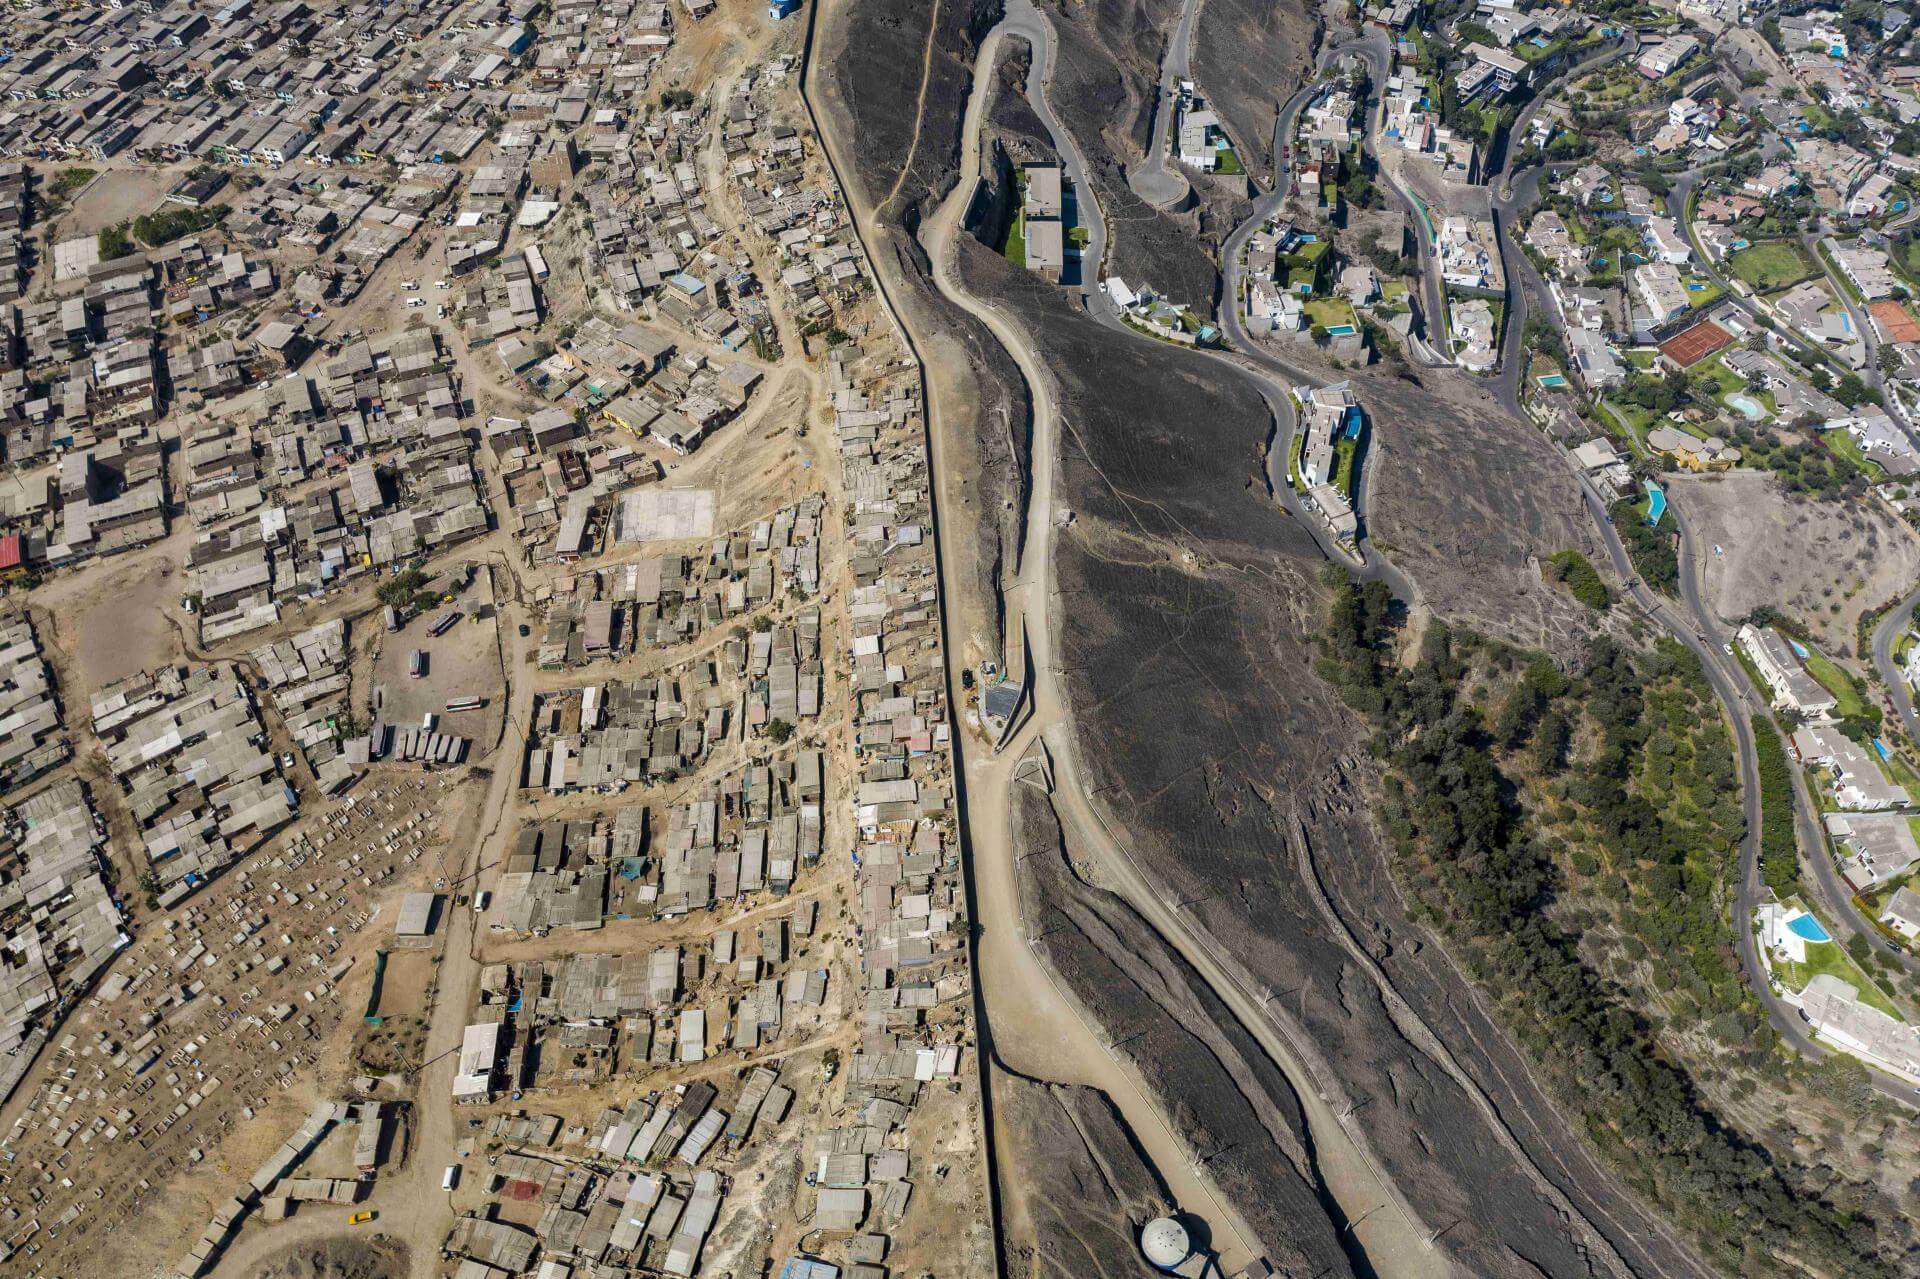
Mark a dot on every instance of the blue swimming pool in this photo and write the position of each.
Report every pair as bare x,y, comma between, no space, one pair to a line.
1746,406
1808,928
1554,380
1656,502
1341,330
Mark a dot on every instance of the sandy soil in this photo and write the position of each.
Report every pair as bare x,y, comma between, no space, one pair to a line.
114,615
463,662
1825,563
403,988
114,197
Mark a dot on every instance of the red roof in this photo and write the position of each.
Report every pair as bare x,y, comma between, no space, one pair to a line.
10,551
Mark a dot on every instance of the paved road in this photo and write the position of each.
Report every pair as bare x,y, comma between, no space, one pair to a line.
1391,1232
1393,1236
1158,179
1705,635
1023,18
1885,635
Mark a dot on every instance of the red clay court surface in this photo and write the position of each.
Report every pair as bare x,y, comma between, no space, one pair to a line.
1895,321
1696,344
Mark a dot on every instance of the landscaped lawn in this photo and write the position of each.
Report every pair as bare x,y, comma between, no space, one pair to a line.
1842,444
1702,292
1345,450
1014,249
1329,311
1832,957
1637,420
1770,265
1837,682
1225,161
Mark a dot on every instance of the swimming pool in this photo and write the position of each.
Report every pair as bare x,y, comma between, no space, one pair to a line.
1746,406
1554,380
1656,502
1341,330
1807,928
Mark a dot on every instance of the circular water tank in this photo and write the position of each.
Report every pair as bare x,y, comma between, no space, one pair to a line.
1164,1240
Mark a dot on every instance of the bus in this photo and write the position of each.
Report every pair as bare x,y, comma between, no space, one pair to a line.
465,704
417,664
445,623
393,620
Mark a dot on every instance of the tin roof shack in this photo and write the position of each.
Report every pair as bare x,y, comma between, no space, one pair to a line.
307,675
192,757
621,732
32,739
911,904
670,599
59,923
556,877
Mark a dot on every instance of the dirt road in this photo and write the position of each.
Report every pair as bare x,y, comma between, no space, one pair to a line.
1036,1028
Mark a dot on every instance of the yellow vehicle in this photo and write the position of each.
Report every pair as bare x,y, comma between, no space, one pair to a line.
361,1218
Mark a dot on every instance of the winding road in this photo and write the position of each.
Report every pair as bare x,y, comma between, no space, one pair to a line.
1036,1024
1705,635
1158,179
1885,635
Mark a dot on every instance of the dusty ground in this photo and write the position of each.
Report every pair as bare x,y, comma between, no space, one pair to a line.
1466,501
403,988
1101,1187
1825,563
1187,601
115,196
1246,56
337,1258
114,614
463,662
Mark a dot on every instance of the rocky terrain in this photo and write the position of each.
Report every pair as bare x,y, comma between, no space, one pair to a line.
1466,500
1248,54
382,1258
1237,1113
1188,598
1824,563
1106,73
1100,1189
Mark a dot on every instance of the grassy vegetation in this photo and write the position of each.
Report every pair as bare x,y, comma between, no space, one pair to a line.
1576,572
1842,444
1831,957
1779,851
1651,549
1770,265
114,242
1329,312
1573,837
169,223
1633,422
1014,247
1226,162
67,181
1346,451
1845,689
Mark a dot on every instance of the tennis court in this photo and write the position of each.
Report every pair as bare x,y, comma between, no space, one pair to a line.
1688,348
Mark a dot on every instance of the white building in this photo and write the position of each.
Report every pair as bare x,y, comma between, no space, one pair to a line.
1792,687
